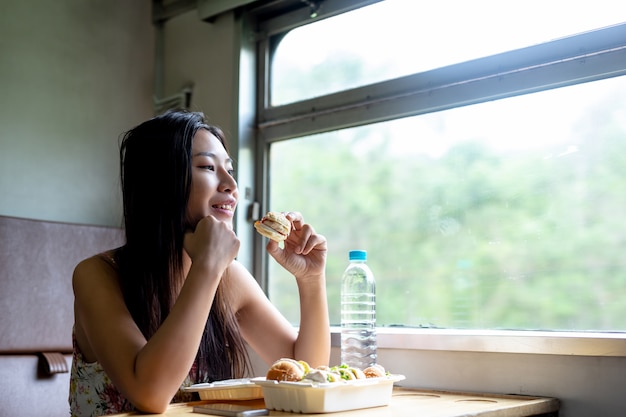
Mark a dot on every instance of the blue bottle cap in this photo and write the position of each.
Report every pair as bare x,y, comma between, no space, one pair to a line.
358,255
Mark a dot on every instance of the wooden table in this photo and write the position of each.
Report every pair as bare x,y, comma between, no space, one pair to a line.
407,402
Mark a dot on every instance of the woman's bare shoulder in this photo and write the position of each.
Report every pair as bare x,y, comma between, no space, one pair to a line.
239,275
97,297
238,269
244,288
96,269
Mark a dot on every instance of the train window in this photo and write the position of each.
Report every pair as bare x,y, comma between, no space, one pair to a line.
481,164
394,38
501,215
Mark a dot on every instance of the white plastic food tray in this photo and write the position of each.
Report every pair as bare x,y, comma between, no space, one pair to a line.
312,397
231,389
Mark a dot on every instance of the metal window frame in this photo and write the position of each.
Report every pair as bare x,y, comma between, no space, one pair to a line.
576,59
590,56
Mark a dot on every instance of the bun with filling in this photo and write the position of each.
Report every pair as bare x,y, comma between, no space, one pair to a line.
358,374
348,373
375,371
274,225
286,369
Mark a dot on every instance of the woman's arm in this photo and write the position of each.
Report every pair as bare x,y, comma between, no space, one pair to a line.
149,373
265,329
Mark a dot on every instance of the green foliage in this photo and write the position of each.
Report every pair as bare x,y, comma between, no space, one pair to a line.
472,239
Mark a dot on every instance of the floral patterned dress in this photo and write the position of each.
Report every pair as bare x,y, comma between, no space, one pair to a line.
93,394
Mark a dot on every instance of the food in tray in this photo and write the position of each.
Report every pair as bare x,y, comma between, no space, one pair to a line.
286,369
321,376
327,389
274,225
374,371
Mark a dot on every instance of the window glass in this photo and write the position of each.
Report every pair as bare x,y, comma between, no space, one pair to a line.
501,215
393,38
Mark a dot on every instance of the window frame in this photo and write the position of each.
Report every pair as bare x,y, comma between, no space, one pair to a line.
590,56
585,57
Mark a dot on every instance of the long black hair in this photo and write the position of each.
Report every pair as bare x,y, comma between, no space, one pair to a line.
155,161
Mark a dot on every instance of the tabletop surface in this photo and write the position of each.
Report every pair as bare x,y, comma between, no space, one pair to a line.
406,402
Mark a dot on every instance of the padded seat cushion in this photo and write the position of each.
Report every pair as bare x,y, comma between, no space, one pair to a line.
37,259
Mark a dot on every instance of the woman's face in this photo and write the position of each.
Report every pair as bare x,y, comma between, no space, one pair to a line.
213,187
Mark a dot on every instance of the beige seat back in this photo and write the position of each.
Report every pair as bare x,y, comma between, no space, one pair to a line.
37,259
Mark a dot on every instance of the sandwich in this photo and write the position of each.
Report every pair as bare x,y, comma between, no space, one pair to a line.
274,225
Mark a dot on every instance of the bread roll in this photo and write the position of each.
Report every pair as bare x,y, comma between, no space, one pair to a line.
286,369
375,371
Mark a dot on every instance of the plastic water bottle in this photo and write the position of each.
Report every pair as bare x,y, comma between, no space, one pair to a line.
358,313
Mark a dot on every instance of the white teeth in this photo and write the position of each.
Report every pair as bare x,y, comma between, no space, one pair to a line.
224,207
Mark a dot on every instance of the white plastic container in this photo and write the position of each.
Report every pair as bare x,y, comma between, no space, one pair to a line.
231,389
311,397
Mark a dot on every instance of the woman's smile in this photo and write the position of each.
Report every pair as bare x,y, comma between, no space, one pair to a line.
225,208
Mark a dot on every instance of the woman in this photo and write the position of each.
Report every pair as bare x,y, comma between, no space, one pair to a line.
173,307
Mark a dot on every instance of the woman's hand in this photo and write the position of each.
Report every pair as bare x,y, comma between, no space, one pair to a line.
304,251
214,240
